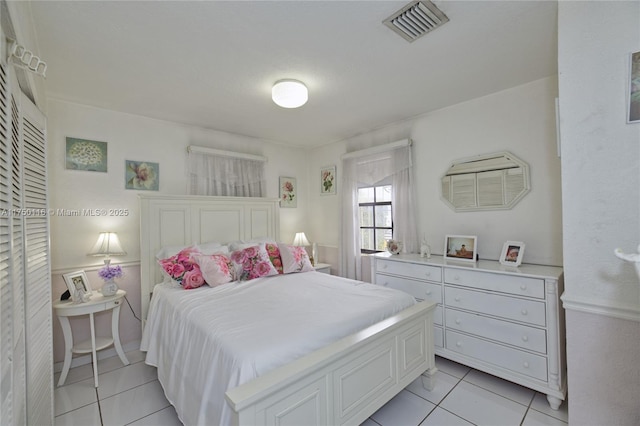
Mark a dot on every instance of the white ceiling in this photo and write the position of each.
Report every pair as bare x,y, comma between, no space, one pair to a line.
212,63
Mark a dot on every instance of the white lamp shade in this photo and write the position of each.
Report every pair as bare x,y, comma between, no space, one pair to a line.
108,244
289,93
300,239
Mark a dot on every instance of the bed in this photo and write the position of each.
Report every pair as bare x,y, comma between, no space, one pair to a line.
328,371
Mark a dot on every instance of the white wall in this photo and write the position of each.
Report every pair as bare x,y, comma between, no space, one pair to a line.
520,120
132,137
601,208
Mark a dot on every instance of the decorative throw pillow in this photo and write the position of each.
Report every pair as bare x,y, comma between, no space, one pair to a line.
216,268
252,262
274,256
294,259
179,266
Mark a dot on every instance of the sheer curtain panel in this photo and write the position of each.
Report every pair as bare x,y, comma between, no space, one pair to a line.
368,170
225,174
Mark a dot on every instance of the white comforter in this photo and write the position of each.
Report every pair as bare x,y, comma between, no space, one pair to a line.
208,340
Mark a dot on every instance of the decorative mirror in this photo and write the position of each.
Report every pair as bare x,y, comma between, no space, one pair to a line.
486,182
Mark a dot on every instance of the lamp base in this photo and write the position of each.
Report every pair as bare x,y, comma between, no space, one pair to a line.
109,288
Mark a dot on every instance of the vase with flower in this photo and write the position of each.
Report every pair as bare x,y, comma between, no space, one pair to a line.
108,274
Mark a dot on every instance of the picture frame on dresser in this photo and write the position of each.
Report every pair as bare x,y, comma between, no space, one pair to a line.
512,253
461,248
77,281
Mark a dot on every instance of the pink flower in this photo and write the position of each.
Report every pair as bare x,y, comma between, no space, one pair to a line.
298,253
223,264
193,279
251,251
263,268
176,270
238,256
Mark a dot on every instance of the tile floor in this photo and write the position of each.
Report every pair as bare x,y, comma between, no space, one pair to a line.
131,395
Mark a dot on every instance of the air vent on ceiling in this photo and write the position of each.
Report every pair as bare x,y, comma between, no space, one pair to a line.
416,19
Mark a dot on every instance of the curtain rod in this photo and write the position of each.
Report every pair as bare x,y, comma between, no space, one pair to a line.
377,149
222,153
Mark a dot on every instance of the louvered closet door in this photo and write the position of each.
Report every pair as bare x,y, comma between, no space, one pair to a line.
6,290
38,334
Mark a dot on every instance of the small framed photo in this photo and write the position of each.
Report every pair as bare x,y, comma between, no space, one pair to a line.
76,282
288,192
328,180
461,248
512,253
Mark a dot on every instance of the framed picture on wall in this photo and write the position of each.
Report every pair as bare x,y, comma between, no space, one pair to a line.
328,180
86,155
634,89
141,175
512,253
460,247
77,284
288,192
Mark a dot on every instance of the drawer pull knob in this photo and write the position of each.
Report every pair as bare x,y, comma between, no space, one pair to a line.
456,278
523,287
525,364
117,302
459,344
525,338
385,284
384,266
457,299
428,293
428,274
524,312
457,321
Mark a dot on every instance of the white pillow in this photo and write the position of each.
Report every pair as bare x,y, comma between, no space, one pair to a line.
213,247
243,244
216,269
294,259
168,251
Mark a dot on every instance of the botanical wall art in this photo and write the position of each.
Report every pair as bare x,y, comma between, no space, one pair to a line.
328,180
142,175
634,89
288,192
83,154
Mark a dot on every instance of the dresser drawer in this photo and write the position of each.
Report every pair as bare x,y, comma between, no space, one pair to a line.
511,284
418,289
411,270
522,336
529,311
512,359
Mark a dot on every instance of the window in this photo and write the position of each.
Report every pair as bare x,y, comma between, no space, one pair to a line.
376,220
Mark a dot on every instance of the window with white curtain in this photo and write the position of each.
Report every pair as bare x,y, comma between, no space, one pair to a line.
223,173
391,164
376,217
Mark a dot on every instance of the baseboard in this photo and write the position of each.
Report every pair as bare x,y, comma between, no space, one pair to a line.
103,354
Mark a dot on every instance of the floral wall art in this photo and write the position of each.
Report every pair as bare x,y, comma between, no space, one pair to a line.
328,180
83,154
288,192
142,175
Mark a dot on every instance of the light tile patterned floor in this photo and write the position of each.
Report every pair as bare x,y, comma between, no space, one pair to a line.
131,395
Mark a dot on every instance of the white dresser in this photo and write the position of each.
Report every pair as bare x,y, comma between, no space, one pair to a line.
502,320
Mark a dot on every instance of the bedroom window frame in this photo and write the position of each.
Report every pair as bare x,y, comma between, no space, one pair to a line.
373,205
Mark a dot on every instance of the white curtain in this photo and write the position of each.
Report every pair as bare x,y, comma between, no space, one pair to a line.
369,170
211,174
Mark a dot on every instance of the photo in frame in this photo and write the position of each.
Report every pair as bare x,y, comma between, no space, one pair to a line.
76,282
86,155
288,192
141,175
634,89
461,248
328,180
512,253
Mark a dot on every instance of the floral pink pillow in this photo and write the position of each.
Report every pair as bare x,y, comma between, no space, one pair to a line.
294,259
274,256
252,262
216,268
183,269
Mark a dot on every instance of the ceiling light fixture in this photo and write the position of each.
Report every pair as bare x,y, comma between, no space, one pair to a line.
289,93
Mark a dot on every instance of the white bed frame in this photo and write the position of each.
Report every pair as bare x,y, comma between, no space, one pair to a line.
343,383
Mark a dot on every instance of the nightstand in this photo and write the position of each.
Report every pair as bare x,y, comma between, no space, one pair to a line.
97,303
325,268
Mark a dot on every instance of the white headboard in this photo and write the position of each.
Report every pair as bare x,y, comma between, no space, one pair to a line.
174,220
